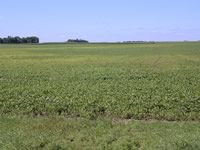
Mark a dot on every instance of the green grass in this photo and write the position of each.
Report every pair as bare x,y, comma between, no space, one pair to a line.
88,82
79,133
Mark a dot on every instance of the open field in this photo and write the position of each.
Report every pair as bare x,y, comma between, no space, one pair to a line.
88,82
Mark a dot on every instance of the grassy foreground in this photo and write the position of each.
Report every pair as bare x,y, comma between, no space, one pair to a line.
65,96
79,133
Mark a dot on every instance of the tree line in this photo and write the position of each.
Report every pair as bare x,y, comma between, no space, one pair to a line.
77,41
140,42
18,40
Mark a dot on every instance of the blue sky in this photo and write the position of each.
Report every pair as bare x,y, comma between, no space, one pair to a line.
101,20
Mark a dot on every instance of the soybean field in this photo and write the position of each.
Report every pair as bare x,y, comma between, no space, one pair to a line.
116,83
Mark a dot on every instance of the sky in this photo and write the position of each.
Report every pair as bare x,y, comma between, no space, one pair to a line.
101,20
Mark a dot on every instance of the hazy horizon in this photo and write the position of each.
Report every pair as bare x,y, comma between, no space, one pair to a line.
101,21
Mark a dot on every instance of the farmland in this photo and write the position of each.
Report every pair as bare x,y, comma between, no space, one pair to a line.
108,87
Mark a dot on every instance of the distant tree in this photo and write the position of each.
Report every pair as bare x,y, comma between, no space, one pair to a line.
9,39
77,41
24,40
5,40
18,40
34,39
140,42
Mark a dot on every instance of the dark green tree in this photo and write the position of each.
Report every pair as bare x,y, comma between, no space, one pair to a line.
18,40
77,41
